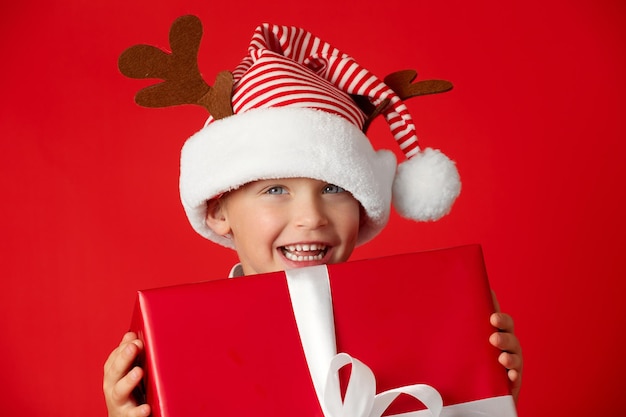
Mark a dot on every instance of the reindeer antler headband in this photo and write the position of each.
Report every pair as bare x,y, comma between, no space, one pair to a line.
295,93
183,83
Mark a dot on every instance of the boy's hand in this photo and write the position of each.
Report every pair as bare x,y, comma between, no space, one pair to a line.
119,380
505,340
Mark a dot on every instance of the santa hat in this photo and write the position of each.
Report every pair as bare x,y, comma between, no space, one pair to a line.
295,107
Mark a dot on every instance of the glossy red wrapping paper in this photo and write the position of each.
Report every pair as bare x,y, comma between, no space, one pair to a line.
231,347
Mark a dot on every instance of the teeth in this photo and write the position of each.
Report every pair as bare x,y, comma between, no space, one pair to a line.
290,249
300,258
305,247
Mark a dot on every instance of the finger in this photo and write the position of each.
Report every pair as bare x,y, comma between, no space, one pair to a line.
127,338
122,390
121,360
503,322
505,341
512,362
140,411
131,337
515,376
129,410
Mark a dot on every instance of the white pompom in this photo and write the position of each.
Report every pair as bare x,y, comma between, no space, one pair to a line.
426,186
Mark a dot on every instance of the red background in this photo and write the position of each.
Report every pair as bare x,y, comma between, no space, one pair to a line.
90,208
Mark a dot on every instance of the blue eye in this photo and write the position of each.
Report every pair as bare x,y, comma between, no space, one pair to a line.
333,189
276,190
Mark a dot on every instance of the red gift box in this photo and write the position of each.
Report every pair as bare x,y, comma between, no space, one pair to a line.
262,345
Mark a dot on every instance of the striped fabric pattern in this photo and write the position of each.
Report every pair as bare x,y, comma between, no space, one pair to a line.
276,81
288,66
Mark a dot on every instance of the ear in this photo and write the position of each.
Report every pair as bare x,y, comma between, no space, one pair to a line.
216,217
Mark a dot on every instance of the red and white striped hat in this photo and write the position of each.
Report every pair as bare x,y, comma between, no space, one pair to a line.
294,114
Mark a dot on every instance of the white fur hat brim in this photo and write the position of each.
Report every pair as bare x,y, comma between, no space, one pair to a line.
285,142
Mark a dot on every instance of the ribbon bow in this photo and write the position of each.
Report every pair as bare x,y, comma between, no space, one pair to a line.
361,399
309,289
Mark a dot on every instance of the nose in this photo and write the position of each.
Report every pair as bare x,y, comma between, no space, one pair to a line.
310,213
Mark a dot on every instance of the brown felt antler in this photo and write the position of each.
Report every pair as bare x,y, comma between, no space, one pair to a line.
400,82
183,83
369,109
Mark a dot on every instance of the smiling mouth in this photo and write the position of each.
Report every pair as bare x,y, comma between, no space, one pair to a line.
304,252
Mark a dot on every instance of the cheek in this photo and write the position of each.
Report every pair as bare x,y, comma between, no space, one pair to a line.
350,221
264,224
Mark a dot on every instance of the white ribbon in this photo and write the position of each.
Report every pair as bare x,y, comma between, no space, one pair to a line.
309,289
361,399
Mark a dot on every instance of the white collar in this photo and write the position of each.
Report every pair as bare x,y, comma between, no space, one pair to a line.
236,271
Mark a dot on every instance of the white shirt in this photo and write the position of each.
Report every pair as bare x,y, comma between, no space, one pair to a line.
236,271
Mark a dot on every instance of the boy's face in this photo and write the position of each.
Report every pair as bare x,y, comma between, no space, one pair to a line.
287,223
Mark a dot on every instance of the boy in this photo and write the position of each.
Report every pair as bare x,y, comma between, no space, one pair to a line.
283,173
